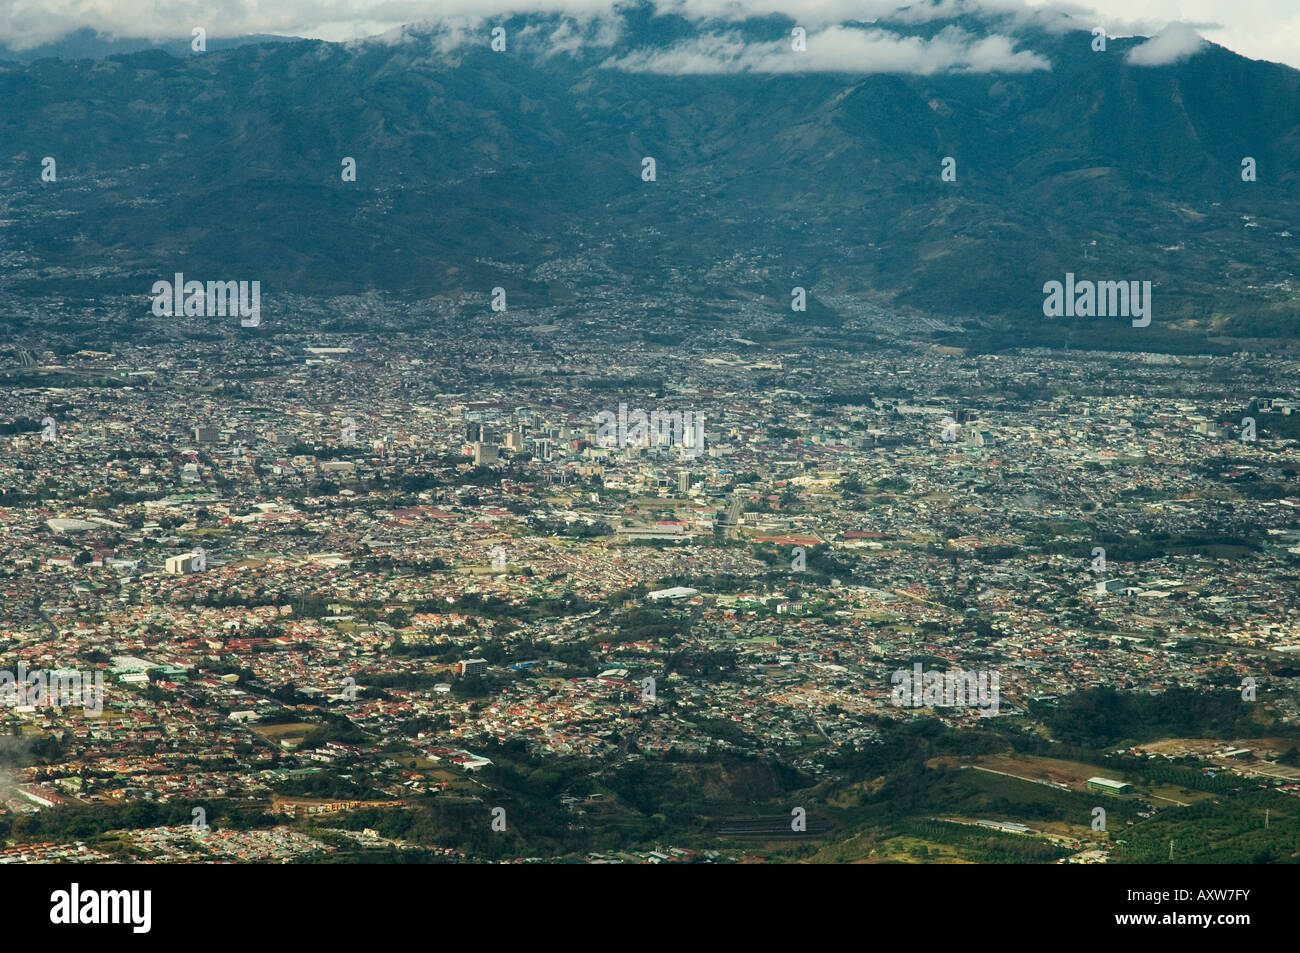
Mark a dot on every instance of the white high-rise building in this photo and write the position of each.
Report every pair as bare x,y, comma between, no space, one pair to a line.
181,565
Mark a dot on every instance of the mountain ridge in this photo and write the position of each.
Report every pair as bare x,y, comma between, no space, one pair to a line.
476,169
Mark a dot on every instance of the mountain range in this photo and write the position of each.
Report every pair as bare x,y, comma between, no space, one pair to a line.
524,168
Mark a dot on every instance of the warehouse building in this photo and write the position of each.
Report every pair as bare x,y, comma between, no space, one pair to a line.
1109,786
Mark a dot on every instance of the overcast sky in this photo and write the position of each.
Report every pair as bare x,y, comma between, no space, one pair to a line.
1262,29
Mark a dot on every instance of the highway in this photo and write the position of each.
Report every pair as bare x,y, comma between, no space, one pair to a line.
732,520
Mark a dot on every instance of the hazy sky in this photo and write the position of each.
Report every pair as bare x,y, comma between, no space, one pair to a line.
1262,29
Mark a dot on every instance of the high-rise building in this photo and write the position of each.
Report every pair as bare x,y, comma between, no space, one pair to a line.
693,438
683,482
181,565
485,453
473,432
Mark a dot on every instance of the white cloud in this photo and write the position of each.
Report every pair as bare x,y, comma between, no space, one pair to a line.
1259,28
28,23
1175,42
837,49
